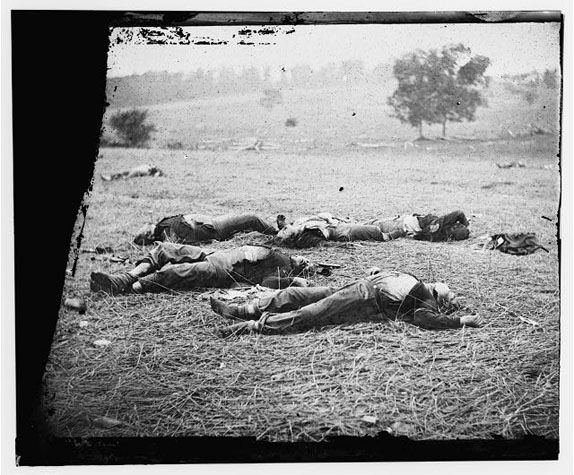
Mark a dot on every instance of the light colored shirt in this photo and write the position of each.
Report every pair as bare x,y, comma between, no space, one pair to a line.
407,224
321,222
394,286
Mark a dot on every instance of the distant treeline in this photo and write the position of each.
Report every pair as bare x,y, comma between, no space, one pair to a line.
533,85
163,87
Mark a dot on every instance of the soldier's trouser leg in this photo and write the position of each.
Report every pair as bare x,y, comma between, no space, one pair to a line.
352,304
292,298
227,226
169,253
358,232
281,301
184,276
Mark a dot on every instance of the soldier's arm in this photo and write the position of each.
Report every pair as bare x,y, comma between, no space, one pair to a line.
455,217
429,319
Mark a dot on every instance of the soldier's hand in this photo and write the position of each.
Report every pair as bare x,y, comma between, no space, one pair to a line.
300,282
474,321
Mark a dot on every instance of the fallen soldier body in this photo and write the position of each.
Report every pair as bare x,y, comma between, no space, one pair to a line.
451,226
172,266
142,170
381,295
317,230
195,229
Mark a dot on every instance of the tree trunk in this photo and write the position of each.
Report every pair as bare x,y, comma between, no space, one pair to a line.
444,128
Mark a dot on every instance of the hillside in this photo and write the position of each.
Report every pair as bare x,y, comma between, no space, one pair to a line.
333,117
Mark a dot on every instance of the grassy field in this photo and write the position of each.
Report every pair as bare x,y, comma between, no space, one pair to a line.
166,373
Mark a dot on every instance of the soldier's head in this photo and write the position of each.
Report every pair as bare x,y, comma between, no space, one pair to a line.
458,232
145,235
287,235
445,298
302,265
155,171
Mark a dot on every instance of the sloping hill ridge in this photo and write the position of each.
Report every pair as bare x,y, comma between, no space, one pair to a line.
332,117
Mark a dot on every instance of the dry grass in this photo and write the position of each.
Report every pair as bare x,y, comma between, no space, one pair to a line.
166,373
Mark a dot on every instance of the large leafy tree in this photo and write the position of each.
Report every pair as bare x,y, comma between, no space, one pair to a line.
439,86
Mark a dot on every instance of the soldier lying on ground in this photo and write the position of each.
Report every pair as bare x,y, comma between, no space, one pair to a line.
142,170
451,226
172,266
316,230
391,295
194,229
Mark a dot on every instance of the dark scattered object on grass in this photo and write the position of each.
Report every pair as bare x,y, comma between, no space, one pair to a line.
332,266
255,144
98,250
117,259
380,295
104,250
497,183
513,164
535,129
546,218
142,170
326,269
291,122
341,189
77,304
519,244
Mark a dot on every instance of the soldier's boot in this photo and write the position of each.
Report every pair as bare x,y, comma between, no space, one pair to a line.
112,284
240,329
393,235
248,311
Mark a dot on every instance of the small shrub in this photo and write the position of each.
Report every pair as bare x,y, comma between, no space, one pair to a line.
130,126
174,145
291,122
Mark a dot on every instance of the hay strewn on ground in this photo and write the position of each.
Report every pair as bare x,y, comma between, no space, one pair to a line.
167,373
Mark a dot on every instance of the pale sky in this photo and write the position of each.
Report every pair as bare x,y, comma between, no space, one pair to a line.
512,48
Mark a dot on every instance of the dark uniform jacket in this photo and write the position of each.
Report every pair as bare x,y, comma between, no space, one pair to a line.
403,297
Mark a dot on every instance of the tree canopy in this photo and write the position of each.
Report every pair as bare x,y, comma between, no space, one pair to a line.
439,86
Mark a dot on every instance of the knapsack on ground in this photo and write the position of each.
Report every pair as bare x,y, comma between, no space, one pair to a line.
517,244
